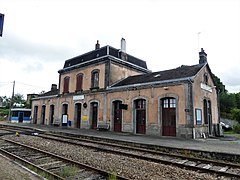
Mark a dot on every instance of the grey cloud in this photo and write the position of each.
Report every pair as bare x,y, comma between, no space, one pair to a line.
33,67
16,49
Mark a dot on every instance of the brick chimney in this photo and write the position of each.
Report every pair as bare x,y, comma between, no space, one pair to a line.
202,57
53,87
123,45
122,52
97,46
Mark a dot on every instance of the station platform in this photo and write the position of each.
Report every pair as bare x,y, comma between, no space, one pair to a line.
226,144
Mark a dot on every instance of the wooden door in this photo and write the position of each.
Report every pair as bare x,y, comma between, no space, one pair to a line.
169,117
78,115
43,114
35,114
140,107
141,121
117,116
51,114
94,114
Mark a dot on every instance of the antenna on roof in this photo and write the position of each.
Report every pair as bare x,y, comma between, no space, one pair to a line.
198,35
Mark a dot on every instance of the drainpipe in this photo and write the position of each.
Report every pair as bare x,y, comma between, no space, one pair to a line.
192,108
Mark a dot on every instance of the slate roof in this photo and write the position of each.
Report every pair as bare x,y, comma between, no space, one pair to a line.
172,74
103,52
49,93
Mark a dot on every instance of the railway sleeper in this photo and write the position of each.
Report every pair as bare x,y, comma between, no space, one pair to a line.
56,167
44,160
233,171
220,168
50,163
35,156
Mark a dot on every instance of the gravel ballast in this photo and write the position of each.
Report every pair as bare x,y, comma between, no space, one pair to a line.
122,165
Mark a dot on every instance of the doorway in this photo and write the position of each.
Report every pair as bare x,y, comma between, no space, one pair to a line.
117,116
51,114
94,114
78,108
169,117
140,110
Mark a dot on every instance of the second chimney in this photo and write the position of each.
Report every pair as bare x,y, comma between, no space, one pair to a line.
97,46
53,87
202,57
123,45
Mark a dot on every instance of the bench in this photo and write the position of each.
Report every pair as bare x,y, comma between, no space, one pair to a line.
103,127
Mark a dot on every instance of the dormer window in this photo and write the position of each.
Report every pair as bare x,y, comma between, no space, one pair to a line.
79,82
205,78
95,79
66,84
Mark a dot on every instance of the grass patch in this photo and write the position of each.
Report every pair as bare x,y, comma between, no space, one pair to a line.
229,132
68,171
112,176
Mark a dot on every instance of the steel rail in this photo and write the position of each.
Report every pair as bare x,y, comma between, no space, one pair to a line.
231,165
103,172
195,168
23,161
139,149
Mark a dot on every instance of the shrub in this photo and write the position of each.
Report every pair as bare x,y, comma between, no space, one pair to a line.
236,128
236,114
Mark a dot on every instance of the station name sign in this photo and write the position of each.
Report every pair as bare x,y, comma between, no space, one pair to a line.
206,87
79,97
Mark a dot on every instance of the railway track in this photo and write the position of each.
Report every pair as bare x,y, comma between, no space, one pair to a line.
183,161
196,164
53,166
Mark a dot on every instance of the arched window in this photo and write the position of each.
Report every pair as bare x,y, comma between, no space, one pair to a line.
66,84
79,82
95,79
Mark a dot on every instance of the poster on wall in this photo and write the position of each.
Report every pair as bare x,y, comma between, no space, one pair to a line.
64,120
198,113
84,118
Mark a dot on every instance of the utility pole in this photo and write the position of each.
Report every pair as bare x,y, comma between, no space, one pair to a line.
11,101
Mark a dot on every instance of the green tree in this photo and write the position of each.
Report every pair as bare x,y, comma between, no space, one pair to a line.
236,114
19,101
220,86
237,98
227,102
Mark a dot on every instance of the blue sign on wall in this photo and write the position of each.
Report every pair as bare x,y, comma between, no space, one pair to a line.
1,23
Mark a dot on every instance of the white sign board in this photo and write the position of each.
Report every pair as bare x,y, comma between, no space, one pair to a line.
77,98
65,119
206,87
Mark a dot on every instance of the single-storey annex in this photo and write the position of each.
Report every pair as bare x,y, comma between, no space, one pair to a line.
107,87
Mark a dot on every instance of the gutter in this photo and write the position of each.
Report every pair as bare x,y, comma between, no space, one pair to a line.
44,97
152,83
192,108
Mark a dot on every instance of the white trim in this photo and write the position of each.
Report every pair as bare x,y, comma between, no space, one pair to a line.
151,83
45,97
21,109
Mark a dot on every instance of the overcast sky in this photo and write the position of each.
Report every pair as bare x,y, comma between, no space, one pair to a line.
39,35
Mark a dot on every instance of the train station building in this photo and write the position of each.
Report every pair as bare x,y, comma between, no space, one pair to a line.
107,88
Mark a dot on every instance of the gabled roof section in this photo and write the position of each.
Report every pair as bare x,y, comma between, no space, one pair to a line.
103,52
179,73
48,94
